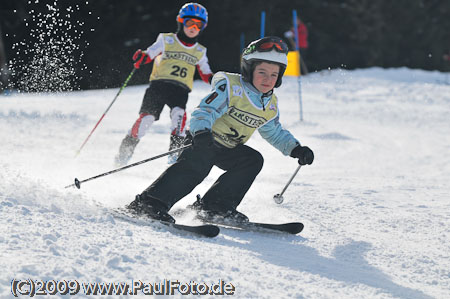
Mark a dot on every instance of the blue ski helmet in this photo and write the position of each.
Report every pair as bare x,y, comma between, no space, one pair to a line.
193,10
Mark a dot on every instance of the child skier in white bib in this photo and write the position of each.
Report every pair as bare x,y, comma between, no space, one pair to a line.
238,105
175,56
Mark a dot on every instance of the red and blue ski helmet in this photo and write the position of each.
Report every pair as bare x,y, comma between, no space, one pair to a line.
193,10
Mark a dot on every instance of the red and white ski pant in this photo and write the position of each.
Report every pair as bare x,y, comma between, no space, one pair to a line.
144,122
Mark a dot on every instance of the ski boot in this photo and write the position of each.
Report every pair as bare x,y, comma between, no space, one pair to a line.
175,142
126,150
152,208
207,213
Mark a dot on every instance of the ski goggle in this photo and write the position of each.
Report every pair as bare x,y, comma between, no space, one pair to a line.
277,45
266,45
189,23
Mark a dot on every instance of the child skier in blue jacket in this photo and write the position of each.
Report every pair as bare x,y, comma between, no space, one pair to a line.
219,127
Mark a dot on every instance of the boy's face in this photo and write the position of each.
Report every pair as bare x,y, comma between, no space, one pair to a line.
191,32
265,76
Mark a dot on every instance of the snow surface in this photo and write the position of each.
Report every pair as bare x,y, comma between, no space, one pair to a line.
375,203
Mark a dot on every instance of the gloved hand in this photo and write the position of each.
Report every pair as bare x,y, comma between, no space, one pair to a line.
202,139
140,57
304,155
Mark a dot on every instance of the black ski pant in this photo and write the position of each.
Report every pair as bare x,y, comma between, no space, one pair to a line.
241,164
161,93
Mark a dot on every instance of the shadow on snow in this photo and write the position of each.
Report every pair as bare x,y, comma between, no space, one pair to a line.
348,264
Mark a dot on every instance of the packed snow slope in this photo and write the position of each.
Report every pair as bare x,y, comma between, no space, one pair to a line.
375,202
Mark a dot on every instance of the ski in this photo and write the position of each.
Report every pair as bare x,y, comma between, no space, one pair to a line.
288,227
205,230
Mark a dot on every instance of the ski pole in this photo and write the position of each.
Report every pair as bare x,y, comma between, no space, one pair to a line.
107,109
78,182
278,198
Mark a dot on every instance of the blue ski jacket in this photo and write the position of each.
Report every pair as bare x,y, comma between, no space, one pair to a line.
206,114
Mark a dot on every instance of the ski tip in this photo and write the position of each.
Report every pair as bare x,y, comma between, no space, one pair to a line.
210,231
295,227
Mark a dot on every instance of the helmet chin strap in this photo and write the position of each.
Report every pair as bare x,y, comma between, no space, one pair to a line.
268,94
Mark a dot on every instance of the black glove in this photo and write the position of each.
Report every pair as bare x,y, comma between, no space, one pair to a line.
304,154
202,139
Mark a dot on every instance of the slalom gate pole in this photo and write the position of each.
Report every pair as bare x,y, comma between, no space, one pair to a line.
278,198
299,80
107,109
263,24
242,44
297,48
78,182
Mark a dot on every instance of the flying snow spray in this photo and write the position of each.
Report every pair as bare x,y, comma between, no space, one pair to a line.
48,58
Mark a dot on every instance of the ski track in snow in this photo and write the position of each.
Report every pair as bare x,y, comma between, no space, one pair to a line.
374,203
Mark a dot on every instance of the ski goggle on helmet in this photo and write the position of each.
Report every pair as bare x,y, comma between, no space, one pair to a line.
267,44
193,15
